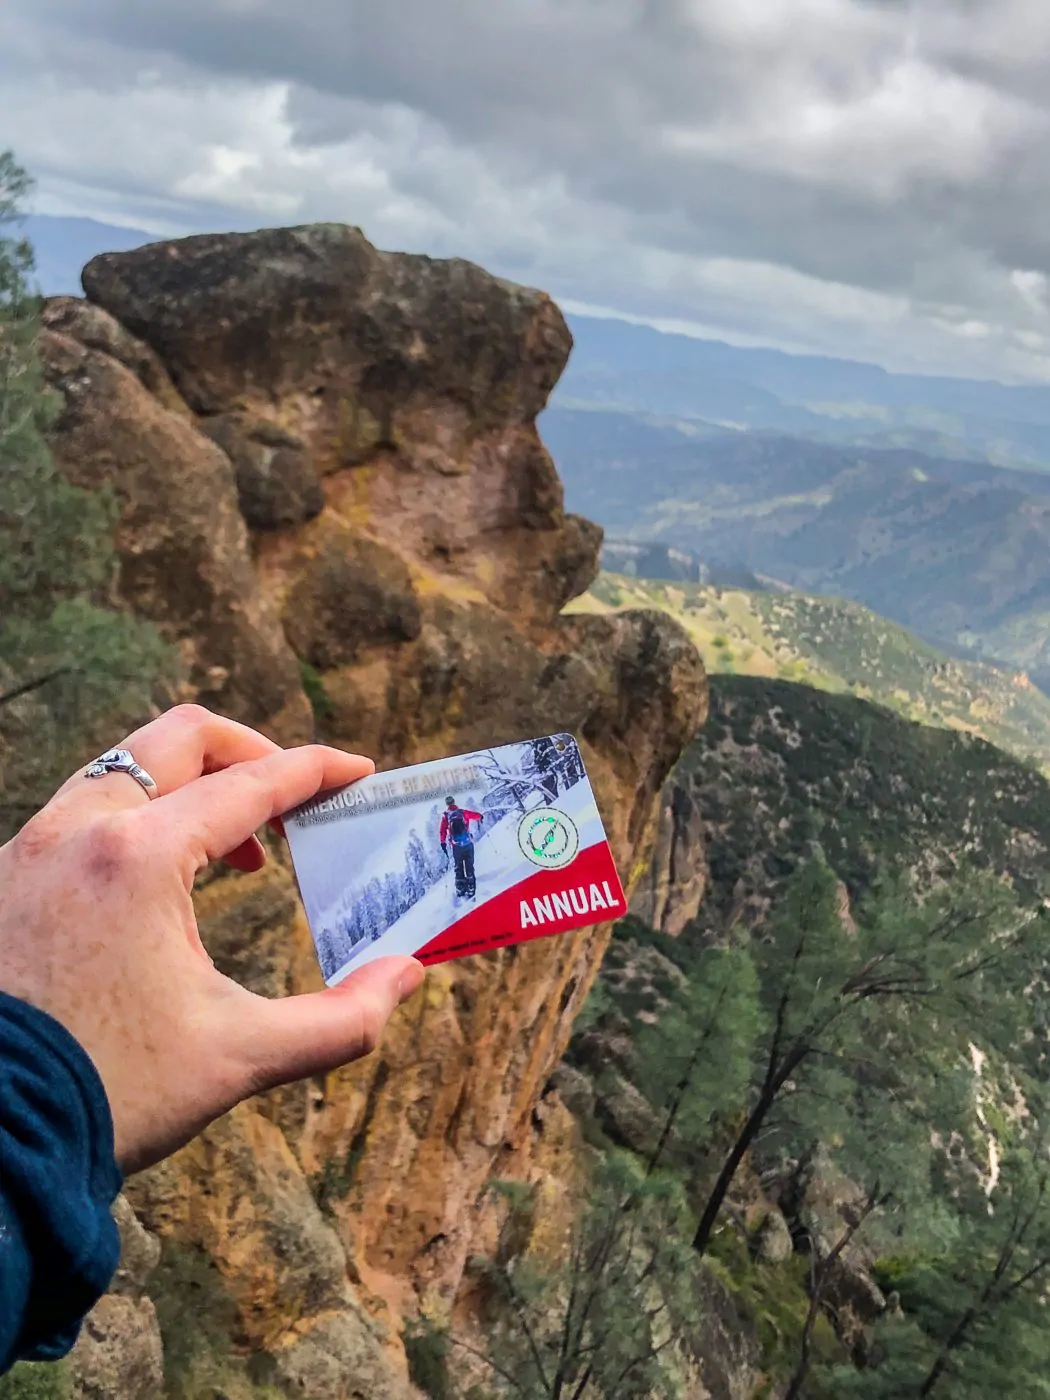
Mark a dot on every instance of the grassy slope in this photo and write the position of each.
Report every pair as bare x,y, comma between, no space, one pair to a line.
842,647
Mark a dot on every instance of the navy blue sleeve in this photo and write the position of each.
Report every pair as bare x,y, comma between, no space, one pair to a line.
59,1246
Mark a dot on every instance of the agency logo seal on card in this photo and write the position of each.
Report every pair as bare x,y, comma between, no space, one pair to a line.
458,856
548,838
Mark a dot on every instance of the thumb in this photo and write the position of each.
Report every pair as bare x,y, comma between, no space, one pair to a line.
295,1037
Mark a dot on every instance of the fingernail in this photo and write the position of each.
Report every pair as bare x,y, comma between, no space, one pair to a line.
410,983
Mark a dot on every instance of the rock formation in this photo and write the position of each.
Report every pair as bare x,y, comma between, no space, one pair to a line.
119,1350
669,893
336,504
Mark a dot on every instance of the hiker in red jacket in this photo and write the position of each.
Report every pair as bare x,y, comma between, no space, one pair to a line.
455,832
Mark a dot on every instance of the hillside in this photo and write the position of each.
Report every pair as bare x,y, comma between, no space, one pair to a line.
780,772
778,765
841,647
959,552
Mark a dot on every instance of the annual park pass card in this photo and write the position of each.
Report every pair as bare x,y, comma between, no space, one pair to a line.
453,857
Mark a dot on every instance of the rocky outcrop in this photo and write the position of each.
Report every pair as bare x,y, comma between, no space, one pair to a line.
670,891
772,1240
328,467
184,547
119,1351
724,1346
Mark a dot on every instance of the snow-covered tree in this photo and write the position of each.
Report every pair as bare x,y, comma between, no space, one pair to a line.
527,775
553,764
332,950
435,859
395,899
370,910
509,787
417,871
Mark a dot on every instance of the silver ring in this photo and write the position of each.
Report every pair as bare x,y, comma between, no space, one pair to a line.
121,761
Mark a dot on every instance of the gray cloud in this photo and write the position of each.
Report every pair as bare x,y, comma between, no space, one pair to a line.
852,176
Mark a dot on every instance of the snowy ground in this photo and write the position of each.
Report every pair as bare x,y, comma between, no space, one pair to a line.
498,865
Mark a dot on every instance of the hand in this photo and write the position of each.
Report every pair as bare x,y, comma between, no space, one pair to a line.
97,929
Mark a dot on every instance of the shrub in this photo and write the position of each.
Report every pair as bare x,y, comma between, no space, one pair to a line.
427,1346
35,1382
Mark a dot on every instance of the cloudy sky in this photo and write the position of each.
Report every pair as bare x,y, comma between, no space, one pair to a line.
864,177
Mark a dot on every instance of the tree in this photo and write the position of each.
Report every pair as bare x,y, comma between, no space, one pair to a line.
396,899
972,1320
888,1130
991,1301
606,1321
912,973
696,1062
417,874
864,1087
912,979
69,657
370,906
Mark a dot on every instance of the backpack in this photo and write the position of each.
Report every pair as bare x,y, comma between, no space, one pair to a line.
457,825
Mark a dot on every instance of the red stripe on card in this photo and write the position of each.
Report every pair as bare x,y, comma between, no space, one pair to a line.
552,901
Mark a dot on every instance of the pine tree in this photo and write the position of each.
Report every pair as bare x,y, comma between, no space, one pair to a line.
371,910
696,1062
69,660
436,862
417,874
395,899
910,986
607,1320
972,1316
887,1125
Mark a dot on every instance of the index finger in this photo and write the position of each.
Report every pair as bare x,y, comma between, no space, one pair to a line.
218,812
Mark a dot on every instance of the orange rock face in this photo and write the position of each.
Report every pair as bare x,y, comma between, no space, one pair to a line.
328,455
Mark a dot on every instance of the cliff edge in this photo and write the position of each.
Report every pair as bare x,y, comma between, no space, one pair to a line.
336,504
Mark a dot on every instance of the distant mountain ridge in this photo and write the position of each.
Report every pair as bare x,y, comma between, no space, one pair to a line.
958,552
664,562
638,369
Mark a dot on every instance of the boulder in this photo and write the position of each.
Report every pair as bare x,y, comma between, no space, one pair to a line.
772,1240
119,1355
